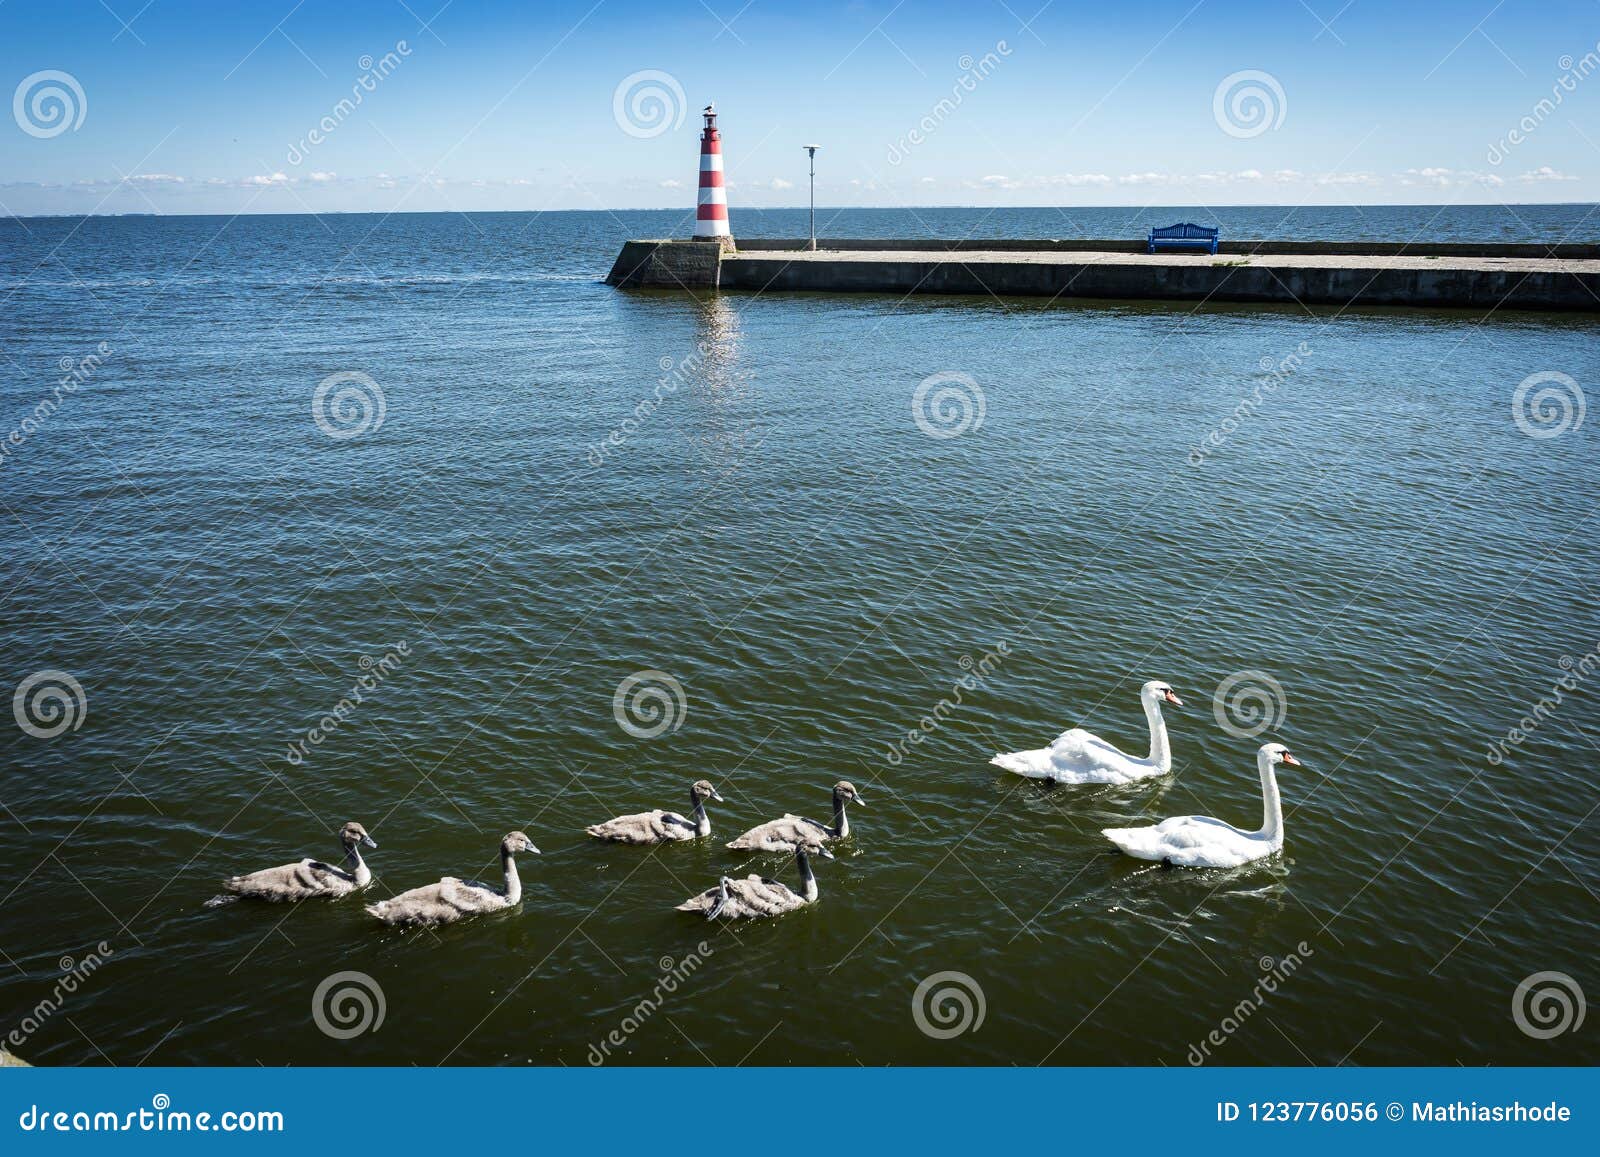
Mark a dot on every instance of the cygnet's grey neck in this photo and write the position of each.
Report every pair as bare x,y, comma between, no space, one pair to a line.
841,821
356,866
508,864
702,822
808,881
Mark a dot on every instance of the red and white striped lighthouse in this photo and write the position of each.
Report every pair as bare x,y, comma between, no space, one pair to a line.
711,214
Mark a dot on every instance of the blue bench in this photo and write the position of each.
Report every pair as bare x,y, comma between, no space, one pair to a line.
1185,236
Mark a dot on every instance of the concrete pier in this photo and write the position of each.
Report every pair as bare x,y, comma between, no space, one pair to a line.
1471,276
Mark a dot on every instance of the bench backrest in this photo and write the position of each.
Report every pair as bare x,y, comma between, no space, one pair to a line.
1184,231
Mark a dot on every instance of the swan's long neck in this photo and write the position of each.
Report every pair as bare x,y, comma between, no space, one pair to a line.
841,822
808,881
356,866
1271,804
1160,753
702,822
508,864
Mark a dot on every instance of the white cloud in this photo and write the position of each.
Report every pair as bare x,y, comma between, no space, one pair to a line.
672,183
1440,178
320,178
1546,173
273,179
780,183
1143,179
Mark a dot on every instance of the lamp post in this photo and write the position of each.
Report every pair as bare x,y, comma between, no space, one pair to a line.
811,150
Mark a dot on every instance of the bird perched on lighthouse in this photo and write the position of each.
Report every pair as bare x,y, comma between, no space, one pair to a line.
711,214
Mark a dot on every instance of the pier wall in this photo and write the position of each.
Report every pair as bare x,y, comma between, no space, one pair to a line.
1568,252
1456,275
667,265
1312,285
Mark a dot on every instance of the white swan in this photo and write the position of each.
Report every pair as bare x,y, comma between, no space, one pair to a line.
1080,756
451,899
1202,842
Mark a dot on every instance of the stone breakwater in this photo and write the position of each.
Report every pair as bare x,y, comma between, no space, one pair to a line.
1463,276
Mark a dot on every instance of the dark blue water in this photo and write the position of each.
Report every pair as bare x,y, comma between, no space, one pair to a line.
768,524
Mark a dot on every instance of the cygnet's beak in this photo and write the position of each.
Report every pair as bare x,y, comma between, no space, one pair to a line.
716,795
368,842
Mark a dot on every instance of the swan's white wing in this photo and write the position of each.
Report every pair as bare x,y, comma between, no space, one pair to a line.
1192,842
1077,756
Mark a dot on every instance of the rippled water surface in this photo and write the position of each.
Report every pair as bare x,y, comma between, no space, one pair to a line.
774,530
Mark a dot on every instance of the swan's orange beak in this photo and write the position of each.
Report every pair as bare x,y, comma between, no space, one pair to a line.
1173,699
1289,758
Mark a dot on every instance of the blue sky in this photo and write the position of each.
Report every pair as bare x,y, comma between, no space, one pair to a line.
186,106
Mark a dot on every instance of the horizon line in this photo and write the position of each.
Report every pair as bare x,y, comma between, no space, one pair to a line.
806,208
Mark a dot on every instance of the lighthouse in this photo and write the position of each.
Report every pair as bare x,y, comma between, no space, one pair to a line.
711,214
